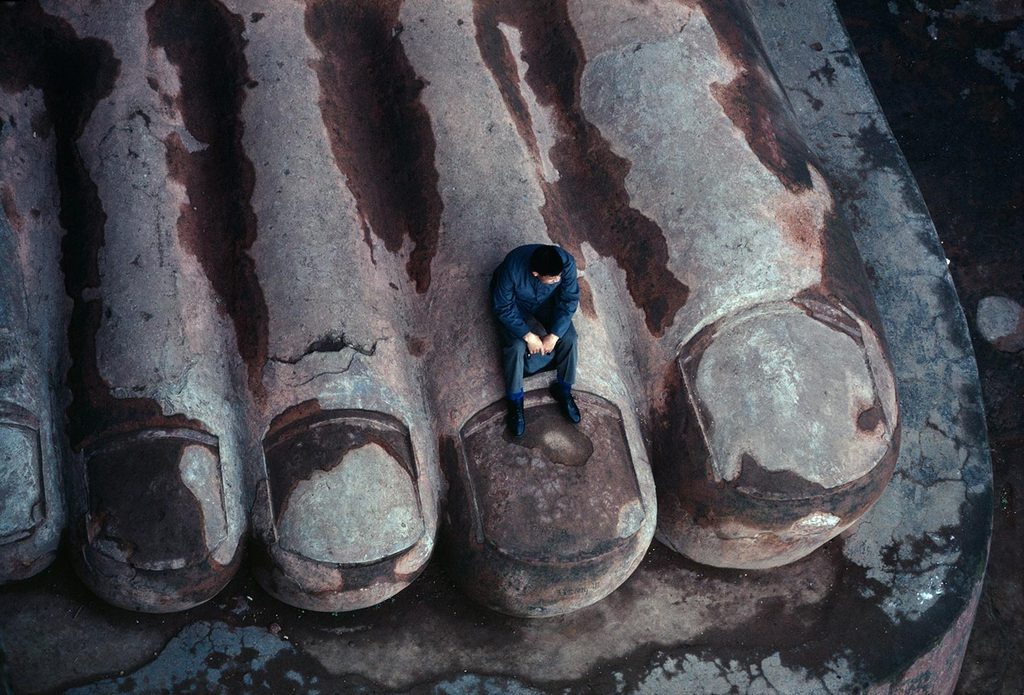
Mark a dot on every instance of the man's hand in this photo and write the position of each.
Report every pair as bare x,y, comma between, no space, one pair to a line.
548,342
534,345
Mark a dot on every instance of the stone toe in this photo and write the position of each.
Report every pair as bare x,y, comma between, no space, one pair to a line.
549,522
791,429
23,503
348,529
155,534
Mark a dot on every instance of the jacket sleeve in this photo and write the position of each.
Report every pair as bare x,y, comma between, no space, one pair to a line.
568,298
503,303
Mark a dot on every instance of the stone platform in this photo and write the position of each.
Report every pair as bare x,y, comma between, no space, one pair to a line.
887,607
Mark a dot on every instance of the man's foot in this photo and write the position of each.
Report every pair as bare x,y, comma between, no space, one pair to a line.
516,418
568,403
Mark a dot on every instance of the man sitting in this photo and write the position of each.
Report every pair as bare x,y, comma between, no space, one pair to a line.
536,282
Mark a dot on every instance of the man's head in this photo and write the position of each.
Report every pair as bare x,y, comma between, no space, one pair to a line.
546,264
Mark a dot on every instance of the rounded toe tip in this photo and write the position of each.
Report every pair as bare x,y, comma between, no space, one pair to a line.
346,529
30,524
155,536
550,522
793,432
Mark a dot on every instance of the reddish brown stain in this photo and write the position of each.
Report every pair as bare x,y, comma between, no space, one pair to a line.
589,202
798,219
10,208
416,346
379,131
750,101
869,419
299,411
217,224
43,51
586,299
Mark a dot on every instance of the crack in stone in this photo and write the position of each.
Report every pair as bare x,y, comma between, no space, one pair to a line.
320,374
331,342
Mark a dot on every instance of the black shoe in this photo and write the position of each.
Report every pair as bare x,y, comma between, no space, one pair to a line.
516,418
568,403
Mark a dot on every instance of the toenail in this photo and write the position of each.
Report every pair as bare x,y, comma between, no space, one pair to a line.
22,505
788,399
155,498
343,487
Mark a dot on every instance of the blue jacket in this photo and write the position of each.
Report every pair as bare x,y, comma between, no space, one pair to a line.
516,293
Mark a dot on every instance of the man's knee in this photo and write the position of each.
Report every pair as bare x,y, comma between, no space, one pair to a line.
517,348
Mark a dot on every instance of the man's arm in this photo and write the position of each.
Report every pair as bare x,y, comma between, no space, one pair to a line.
503,303
568,298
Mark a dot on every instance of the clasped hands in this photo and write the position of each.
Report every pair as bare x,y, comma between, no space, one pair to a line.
536,345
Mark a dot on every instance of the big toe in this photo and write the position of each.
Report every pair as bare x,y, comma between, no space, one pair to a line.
792,427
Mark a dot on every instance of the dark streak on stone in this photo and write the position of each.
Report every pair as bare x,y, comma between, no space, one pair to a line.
415,345
586,299
843,273
217,224
753,102
10,209
299,411
43,51
589,202
756,481
380,132
869,418
138,501
826,72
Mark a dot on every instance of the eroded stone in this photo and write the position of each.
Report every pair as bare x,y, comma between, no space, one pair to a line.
346,509
553,521
22,501
1000,321
155,519
788,441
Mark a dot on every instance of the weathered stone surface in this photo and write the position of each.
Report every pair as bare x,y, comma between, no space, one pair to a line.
793,462
1001,322
550,522
886,606
348,524
197,149
715,122
21,477
336,320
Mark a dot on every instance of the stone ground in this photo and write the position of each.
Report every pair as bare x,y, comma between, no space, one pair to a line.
950,78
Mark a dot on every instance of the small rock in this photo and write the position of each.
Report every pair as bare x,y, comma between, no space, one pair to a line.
275,629
1000,321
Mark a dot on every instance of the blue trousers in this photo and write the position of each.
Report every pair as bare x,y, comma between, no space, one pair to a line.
517,363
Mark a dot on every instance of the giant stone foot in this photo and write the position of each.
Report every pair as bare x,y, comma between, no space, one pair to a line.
710,234
279,222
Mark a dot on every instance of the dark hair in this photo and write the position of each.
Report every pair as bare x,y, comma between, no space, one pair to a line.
546,261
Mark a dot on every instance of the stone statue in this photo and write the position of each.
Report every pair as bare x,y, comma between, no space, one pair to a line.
245,251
